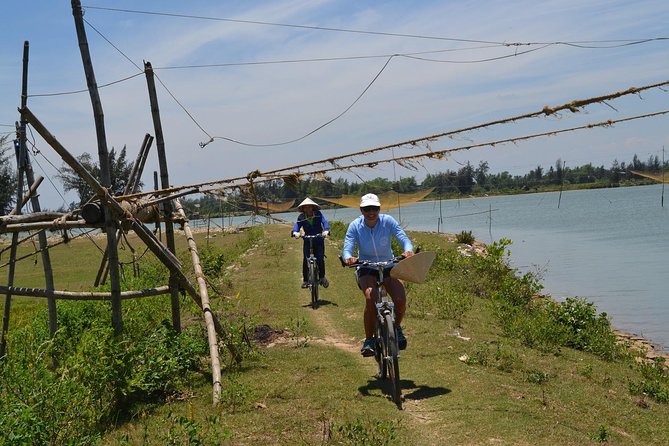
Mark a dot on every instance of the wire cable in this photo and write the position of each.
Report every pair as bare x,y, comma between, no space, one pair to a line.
325,59
580,44
141,71
63,93
286,25
203,144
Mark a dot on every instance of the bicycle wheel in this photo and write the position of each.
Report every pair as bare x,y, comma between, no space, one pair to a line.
313,283
380,350
392,360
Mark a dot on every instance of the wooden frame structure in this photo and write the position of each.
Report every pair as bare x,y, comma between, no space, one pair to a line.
107,212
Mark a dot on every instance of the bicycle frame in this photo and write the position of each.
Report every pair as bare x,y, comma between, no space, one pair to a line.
386,352
312,268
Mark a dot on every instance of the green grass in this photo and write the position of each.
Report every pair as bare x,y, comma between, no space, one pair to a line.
312,387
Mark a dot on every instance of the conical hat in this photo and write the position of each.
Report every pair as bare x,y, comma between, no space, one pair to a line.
414,268
306,202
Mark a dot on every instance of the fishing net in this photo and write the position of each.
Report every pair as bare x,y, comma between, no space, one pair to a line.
389,200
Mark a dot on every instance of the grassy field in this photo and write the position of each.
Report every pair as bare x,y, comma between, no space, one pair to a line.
465,381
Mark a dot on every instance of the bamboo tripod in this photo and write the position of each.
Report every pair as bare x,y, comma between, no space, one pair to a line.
113,215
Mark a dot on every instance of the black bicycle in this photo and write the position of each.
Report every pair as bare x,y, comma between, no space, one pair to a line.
312,270
386,351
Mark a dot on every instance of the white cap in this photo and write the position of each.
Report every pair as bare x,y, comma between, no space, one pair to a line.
369,200
308,201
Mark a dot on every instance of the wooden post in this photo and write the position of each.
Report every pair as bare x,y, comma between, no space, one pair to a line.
34,200
155,187
208,314
138,166
164,184
15,236
103,155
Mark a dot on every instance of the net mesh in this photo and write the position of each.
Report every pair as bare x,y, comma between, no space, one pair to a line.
389,200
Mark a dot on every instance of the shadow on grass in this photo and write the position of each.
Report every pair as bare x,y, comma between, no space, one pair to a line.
410,390
321,303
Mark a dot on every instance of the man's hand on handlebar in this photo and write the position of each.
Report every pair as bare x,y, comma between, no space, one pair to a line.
407,254
296,234
351,261
325,233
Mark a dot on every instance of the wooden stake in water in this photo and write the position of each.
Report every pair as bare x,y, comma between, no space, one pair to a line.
561,183
662,199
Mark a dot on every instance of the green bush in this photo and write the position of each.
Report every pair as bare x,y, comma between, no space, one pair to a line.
338,229
85,377
43,406
465,237
532,326
586,330
212,261
654,382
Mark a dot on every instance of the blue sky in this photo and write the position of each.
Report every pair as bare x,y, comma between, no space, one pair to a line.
260,104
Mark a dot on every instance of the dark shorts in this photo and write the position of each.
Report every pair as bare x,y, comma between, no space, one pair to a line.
371,272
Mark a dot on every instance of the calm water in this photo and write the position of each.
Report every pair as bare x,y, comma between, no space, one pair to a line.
609,246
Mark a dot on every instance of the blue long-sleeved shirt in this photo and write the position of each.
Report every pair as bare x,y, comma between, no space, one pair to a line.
374,244
312,226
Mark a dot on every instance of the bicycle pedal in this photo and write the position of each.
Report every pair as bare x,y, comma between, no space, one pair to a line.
367,353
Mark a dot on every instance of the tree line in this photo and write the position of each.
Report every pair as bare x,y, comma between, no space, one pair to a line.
468,180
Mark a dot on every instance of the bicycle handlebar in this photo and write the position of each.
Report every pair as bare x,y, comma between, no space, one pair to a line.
369,263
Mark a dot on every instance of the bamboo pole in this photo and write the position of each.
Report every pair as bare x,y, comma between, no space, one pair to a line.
29,218
48,225
165,183
103,155
138,166
21,155
208,314
34,184
155,187
82,295
34,200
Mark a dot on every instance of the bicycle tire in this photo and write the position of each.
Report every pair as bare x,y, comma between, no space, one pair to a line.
313,283
392,360
380,350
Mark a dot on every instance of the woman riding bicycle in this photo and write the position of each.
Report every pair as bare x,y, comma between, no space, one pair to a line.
312,222
372,232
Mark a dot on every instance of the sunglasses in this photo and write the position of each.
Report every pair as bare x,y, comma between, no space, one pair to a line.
370,209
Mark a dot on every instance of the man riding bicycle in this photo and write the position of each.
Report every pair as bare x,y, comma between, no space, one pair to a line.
312,222
372,233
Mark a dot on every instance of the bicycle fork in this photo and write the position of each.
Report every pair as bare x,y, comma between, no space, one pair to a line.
385,307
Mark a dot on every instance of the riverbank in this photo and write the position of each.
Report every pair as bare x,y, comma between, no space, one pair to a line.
650,350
